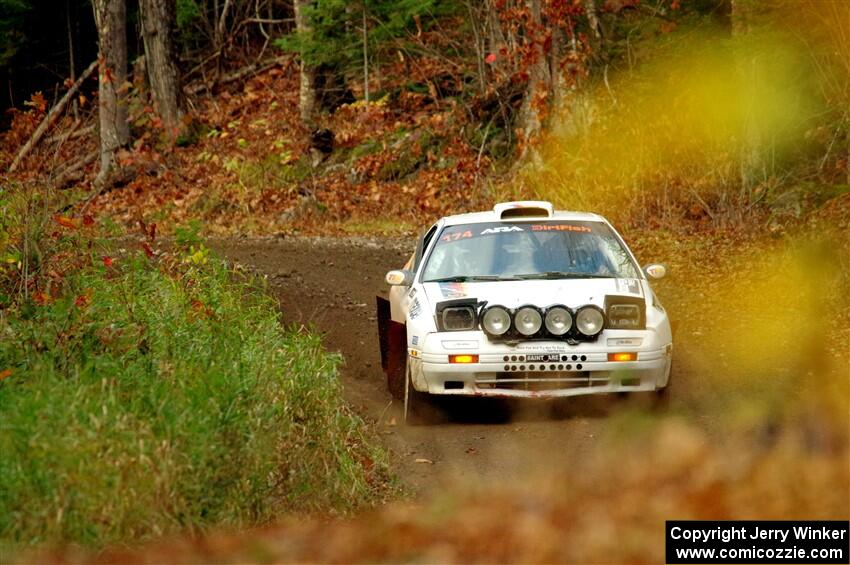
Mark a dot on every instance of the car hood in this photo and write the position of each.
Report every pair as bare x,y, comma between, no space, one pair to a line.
512,294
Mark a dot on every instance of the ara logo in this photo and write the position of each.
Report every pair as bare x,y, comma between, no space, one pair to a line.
502,229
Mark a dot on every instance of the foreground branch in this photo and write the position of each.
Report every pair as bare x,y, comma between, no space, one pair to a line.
74,171
237,75
74,133
51,117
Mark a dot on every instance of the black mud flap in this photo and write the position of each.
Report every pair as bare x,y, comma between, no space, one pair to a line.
392,337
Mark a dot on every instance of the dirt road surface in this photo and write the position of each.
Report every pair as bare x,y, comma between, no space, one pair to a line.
330,284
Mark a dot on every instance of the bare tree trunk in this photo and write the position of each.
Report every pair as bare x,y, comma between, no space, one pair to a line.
157,19
592,18
111,17
530,115
479,45
365,56
72,66
307,91
556,77
221,25
495,39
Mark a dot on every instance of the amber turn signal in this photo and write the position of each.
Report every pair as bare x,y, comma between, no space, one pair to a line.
622,356
463,358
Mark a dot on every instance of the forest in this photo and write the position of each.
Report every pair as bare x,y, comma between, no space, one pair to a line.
191,190
414,107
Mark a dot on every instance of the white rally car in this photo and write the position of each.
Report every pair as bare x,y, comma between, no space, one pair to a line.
523,301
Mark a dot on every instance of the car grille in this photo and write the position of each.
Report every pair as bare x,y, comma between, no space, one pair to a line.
540,380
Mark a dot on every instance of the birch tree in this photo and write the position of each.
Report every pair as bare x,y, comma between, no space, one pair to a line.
307,88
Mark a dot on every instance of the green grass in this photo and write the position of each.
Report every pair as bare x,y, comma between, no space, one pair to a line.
168,399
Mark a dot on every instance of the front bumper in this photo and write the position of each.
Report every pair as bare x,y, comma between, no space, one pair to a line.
517,370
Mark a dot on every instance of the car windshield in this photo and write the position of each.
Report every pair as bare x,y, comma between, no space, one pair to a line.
517,251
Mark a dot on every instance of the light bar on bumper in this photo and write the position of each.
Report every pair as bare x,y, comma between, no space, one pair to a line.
557,321
531,322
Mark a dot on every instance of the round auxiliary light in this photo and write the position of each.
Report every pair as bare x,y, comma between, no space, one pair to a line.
496,321
589,320
558,320
528,320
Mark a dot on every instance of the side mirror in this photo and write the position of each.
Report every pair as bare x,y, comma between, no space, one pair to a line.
401,277
655,271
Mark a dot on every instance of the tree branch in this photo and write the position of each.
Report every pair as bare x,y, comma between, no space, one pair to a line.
237,75
51,117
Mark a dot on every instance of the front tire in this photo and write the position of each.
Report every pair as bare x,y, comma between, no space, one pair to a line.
416,403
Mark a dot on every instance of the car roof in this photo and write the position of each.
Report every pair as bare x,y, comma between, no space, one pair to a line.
495,216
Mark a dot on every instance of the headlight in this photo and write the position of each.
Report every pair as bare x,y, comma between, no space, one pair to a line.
558,320
589,320
528,320
624,316
496,321
625,312
458,319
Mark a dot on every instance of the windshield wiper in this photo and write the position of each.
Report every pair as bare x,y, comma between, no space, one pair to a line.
472,278
561,275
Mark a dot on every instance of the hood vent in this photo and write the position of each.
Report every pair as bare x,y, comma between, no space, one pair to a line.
524,209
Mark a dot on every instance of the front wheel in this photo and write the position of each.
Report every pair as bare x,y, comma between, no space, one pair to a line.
416,404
